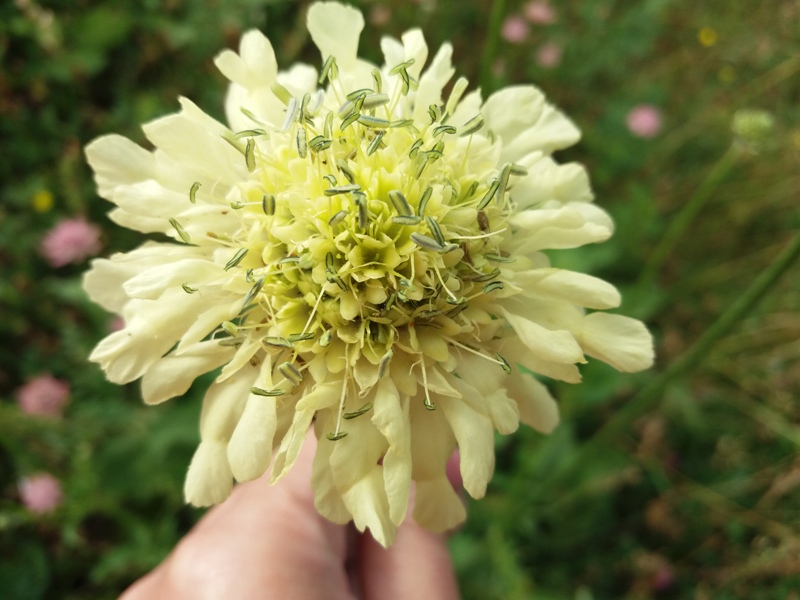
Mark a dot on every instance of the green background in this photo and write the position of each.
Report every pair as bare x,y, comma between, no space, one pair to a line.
690,488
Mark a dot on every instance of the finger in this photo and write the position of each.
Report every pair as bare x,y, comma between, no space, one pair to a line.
416,567
263,542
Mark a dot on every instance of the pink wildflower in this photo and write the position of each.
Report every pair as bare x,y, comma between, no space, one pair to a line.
644,121
540,12
40,493
70,241
43,395
549,55
380,15
514,30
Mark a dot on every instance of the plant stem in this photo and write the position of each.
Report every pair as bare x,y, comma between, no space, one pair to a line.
649,395
495,23
687,215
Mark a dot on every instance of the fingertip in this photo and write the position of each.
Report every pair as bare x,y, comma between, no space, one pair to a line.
416,567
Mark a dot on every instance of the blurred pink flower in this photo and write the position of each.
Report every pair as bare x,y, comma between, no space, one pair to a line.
40,493
644,121
70,241
549,55
664,578
43,395
540,12
380,15
514,30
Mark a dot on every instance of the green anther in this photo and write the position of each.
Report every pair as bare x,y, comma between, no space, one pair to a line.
291,373
342,189
434,112
337,218
401,67
503,362
505,173
487,197
499,258
329,70
329,262
426,242
188,289
518,170
406,82
253,292
291,113
300,337
276,341
257,391
249,133
374,122
325,338
181,231
304,104
231,342
444,129
484,277
455,96
364,409
415,148
406,219
435,230
349,121
238,205
428,404
336,436
374,101
358,93
250,155
331,178
377,80
471,126
457,301
400,203
402,123
319,143
302,144
471,190
423,201
237,258
361,202
281,93
289,260
375,143
342,165
193,191
493,286
328,129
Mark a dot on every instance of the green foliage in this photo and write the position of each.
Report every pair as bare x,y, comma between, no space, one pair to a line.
693,497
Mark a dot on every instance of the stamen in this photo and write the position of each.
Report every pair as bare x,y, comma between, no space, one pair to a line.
181,231
193,191
302,145
281,93
345,168
459,88
276,341
384,364
237,258
329,70
257,391
337,218
374,122
428,404
423,201
291,113
352,415
471,126
375,143
188,289
487,197
268,204
342,189
249,133
400,203
291,373
250,155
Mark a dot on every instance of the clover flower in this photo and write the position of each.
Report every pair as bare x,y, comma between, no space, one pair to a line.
361,256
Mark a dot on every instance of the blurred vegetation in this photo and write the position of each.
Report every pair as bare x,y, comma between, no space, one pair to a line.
689,491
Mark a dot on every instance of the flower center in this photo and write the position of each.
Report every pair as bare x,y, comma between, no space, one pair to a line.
363,226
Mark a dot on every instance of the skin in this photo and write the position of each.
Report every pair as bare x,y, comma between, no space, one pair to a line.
269,542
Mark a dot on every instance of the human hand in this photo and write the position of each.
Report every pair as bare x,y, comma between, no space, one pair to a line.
269,542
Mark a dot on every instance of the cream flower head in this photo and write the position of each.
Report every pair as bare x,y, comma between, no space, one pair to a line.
360,256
